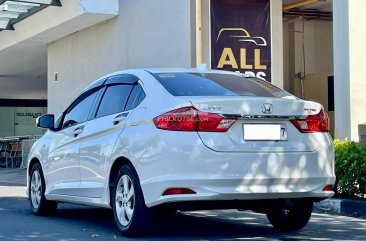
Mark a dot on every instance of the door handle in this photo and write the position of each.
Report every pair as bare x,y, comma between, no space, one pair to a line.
78,131
119,118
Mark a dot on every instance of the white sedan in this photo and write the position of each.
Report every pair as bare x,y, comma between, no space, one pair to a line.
148,141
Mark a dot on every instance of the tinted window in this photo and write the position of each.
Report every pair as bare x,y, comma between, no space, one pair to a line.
114,100
79,110
141,97
194,84
136,97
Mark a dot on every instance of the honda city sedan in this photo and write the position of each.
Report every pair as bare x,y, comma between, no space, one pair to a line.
147,141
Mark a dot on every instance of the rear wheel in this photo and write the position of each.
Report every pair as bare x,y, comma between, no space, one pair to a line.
291,218
131,215
38,202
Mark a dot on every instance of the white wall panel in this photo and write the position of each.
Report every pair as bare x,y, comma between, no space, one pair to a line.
146,34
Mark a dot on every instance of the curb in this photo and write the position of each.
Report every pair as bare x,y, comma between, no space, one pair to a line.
345,207
12,184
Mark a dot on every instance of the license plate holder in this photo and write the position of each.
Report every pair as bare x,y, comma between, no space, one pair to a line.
264,132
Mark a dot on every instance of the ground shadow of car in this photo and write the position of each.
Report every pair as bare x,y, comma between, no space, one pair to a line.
73,222
180,226
219,225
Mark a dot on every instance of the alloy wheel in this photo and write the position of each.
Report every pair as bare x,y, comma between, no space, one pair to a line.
36,189
125,200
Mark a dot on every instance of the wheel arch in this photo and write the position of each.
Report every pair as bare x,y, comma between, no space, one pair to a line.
117,164
32,162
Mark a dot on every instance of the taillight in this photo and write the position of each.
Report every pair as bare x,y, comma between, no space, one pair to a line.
190,119
183,119
213,122
178,191
313,123
328,188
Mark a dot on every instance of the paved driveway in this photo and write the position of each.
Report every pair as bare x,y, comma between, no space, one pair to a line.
74,222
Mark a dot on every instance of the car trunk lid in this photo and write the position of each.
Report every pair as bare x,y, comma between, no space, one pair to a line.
263,124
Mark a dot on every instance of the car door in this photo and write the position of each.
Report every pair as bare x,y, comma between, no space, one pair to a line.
62,170
101,133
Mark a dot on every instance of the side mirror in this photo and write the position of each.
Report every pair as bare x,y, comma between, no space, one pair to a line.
46,122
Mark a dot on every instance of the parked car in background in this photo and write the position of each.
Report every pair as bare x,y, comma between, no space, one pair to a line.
149,140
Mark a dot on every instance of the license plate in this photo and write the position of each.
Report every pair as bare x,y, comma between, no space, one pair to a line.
264,132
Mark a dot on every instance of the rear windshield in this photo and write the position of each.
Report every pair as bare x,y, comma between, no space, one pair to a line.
209,84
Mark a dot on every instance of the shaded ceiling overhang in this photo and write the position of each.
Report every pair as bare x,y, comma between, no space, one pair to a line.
308,9
53,23
14,11
23,52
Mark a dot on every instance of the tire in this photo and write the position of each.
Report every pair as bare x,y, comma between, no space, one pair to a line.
131,215
39,204
291,219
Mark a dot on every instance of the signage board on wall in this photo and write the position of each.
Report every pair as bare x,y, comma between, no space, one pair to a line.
241,36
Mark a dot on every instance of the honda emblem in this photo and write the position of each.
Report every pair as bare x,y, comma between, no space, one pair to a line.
267,108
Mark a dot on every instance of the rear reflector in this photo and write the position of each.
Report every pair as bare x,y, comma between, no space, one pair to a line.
178,191
190,119
313,123
328,188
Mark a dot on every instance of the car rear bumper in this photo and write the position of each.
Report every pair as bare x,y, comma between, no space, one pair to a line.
224,190
232,176
257,205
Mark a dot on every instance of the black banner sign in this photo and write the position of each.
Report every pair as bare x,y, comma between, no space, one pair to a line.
241,36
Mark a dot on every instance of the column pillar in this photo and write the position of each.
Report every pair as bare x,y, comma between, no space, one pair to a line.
277,43
349,67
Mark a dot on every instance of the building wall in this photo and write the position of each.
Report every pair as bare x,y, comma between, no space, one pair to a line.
317,37
357,48
318,47
158,36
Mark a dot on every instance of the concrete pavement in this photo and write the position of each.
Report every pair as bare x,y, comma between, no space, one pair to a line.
72,222
13,177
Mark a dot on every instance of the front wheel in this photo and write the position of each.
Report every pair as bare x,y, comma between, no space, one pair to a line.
291,219
38,202
131,215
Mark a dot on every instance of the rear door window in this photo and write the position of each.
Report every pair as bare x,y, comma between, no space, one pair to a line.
213,84
114,100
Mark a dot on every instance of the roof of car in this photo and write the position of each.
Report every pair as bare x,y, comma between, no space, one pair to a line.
189,70
201,69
